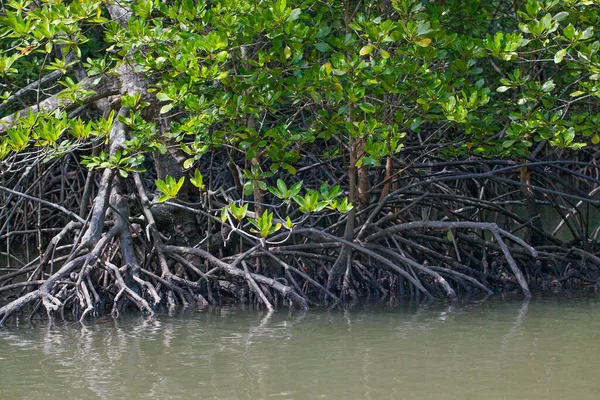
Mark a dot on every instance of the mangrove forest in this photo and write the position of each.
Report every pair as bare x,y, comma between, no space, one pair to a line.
294,153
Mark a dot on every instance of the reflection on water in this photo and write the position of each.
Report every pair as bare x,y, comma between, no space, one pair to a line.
496,349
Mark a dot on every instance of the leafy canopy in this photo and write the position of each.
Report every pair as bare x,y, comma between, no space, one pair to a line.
275,81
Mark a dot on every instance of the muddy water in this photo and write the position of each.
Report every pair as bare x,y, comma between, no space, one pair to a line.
548,348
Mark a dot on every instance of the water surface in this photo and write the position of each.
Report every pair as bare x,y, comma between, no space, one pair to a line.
548,348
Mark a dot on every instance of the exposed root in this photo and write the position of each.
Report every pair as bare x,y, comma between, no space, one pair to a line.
119,257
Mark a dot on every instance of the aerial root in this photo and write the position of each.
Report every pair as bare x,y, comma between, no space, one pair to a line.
407,258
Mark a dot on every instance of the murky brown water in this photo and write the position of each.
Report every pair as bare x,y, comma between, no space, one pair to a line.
548,348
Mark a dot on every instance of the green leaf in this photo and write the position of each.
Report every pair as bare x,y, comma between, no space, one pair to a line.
548,86
238,212
320,206
502,89
163,97
289,168
188,163
166,108
561,16
197,180
248,188
282,5
367,107
300,201
295,14
281,186
587,33
161,185
424,42
295,189
354,25
366,50
222,56
224,214
569,32
288,223
322,47
595,139
558,57
323,31
180,183
371,161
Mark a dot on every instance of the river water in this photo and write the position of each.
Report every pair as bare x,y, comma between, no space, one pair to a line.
500,348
